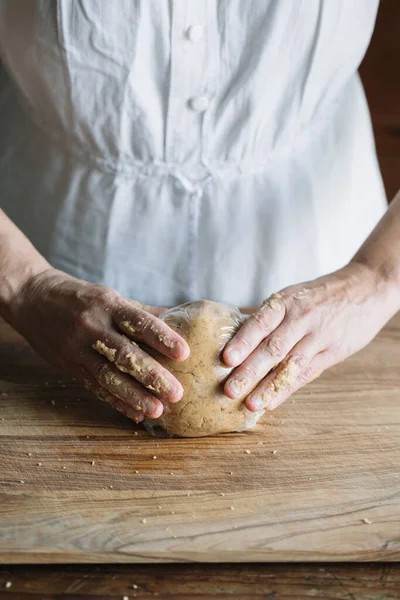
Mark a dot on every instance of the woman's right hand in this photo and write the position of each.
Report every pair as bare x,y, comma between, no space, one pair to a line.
90,331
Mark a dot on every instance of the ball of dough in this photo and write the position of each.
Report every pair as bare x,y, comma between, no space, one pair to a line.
204,408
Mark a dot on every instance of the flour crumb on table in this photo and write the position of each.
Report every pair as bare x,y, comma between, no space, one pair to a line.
143,520
8,584
92,463
367,521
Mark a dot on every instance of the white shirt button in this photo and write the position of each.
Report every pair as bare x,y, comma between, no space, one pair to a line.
200,103
194,33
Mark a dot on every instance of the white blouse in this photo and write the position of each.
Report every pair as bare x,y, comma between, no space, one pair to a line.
183,149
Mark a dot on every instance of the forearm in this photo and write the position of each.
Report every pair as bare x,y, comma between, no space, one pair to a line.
381,250
19,260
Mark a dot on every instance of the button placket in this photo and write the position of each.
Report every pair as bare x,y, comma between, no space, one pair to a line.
190,97
189,94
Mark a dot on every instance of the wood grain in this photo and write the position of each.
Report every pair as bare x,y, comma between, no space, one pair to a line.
336,463
190,582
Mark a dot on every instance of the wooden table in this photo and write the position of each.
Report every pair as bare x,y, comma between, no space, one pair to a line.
206,581
343,432
316,480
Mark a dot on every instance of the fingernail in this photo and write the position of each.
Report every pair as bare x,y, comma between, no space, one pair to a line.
154,410
257,403
148,406
132,414
176,349
273,404
238,386
180,350
176,392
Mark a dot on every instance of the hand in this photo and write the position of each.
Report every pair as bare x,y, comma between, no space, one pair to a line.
301,331
87,330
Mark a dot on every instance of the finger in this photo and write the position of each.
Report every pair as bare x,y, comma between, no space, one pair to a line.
129,358
269,353
157,311
142,326
314,370
301,366
153,310
121,386
267,318
100,392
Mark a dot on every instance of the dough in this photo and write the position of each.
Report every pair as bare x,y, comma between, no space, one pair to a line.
204,409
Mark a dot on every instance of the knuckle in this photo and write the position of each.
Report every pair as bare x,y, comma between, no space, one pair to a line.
83,320
101,372
133,396
142,323
106,297
306,375
122,350
242,341
300,360
262,320
249,372
305,309
275,347
151,377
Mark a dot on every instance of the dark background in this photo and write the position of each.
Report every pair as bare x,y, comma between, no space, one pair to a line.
380,72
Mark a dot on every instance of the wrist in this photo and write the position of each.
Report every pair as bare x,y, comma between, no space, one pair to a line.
383,279
12,282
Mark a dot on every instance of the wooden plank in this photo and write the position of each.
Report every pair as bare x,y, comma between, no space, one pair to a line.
244,582
337,462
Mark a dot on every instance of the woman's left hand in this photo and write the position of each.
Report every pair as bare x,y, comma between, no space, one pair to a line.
301,331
